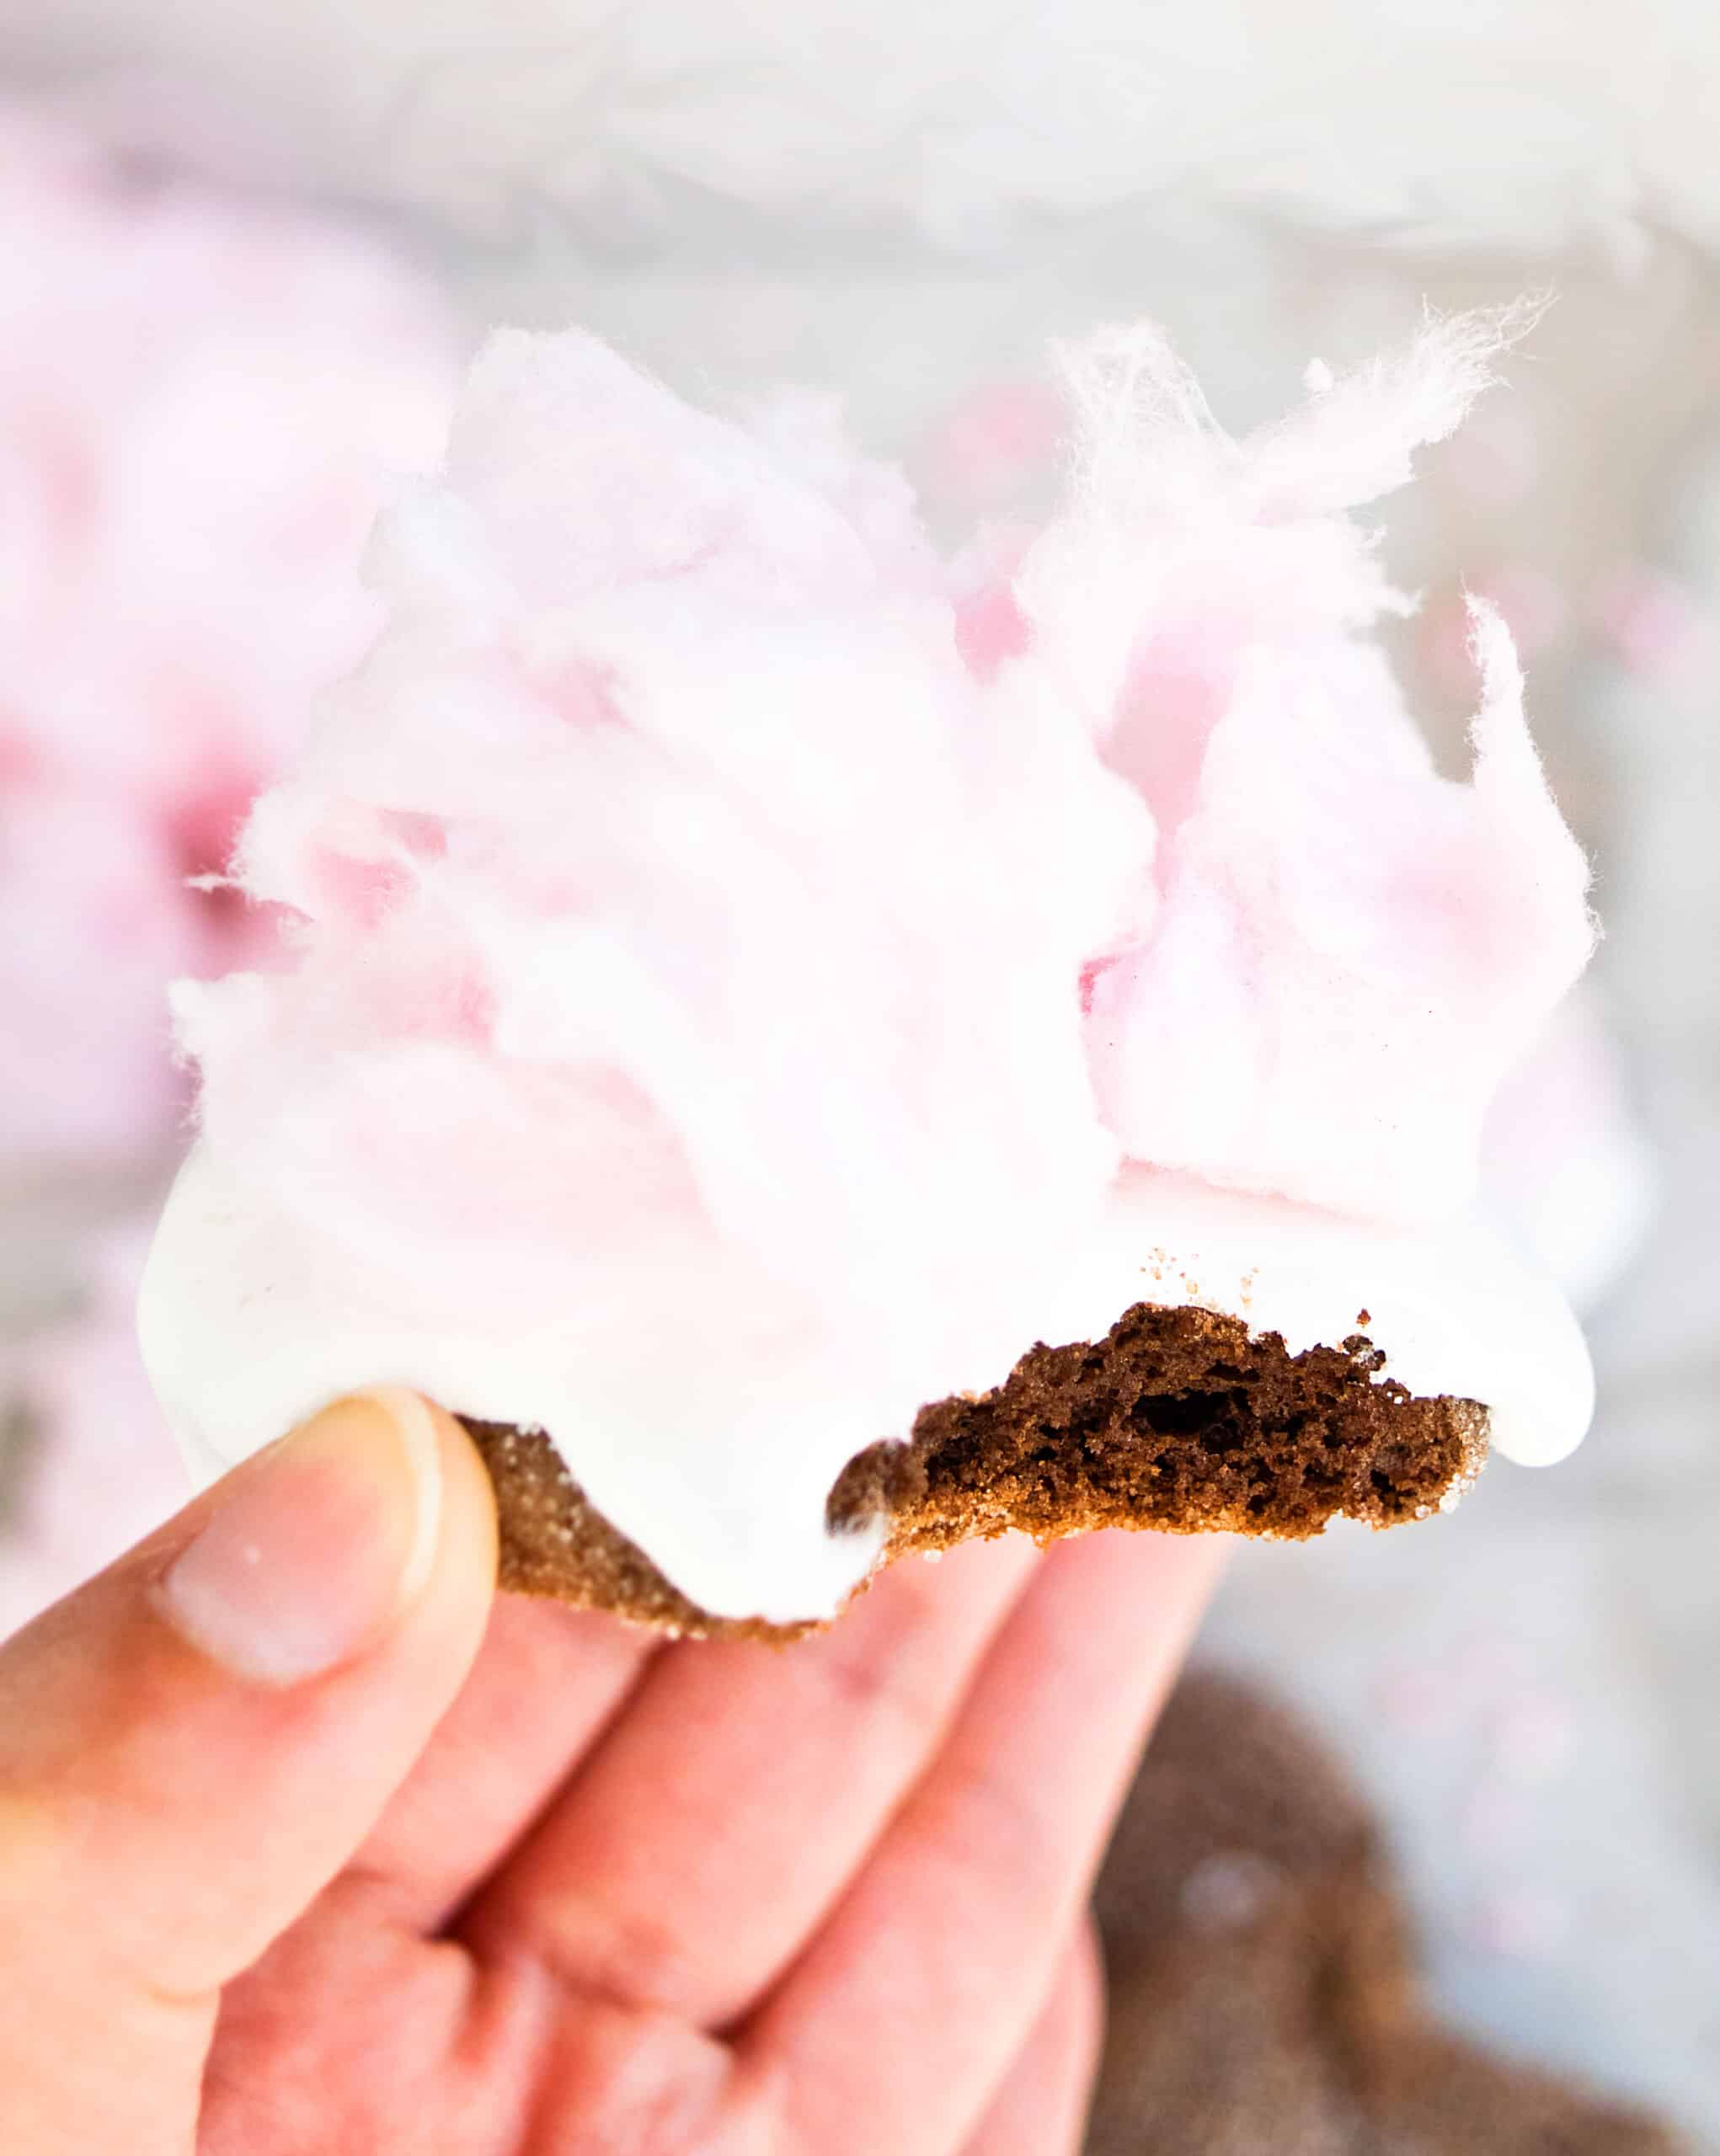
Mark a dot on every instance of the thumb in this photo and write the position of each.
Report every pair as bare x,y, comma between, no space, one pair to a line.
195,1743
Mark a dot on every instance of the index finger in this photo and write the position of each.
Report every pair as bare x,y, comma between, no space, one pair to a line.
937,1959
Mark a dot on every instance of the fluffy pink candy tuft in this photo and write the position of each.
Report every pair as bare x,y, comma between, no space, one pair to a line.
202,404
1348,952
701,873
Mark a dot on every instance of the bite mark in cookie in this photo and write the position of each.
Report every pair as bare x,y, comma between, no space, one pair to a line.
1179,1420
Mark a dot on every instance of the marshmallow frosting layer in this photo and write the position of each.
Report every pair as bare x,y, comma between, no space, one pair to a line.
742,978
286,1321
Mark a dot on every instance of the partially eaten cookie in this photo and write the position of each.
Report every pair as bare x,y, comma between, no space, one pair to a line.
817,1050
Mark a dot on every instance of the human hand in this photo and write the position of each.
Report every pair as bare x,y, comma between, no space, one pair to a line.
306,1848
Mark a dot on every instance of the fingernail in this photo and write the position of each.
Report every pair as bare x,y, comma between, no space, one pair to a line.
315,1546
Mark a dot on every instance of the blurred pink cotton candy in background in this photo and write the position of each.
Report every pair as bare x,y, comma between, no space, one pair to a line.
100,1468
1660,629
203,400
999,437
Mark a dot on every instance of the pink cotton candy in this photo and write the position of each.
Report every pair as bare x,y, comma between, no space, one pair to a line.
752,927
202,402
1529,598
701,874
1347,951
